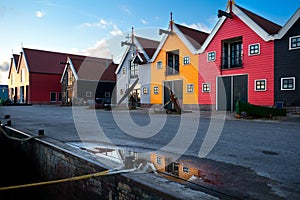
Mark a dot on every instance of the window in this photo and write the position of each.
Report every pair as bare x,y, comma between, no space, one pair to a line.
186,170
211,56
205,87
107,94
295,42
70,78
190,88
52,96
155,90
186,60
123,70
158,160
232,51
159,65
121,91
288,83
260,85
254,49
173,62
134,70
88,93
145,90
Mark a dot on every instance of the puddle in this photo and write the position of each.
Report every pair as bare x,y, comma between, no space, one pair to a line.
224,180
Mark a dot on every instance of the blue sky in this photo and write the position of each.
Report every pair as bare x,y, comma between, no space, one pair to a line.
96,27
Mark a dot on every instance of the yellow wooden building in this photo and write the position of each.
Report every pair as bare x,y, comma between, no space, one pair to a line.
175,66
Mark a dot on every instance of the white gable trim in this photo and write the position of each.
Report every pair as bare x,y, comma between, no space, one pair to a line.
288,25
181,36
242,16
122,60
25,60
255,27
184,39
141,49
161,44
69,62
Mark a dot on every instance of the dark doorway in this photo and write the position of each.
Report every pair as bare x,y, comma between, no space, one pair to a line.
230,89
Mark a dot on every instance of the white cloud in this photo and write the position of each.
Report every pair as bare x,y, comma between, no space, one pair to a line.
199,26
101,23
40,14
4,67
126,10
143,21
99,49
116,31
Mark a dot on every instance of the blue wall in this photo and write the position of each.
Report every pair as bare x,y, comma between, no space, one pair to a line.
4,92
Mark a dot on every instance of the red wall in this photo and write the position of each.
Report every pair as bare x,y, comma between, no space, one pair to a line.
41,85
257,67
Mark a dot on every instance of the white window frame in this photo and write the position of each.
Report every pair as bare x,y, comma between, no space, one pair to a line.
294,83
186,169
209,87
145,91
159,64
122,91
186,60
290,43
155,90
88,94
51,96
123,70
249,49
187,88
158,160
210,60
255,84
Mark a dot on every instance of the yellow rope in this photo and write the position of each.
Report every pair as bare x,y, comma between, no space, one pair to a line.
16,138
76,178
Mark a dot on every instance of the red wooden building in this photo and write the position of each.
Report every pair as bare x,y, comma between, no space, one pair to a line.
236,62
34,77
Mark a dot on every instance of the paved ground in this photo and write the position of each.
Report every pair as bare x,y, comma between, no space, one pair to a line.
255,158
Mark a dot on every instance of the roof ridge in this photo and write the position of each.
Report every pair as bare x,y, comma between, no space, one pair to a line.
191,28
271,30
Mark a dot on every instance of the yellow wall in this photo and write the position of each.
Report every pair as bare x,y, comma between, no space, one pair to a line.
16,82
187,73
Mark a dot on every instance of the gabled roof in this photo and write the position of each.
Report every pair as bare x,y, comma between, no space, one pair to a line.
196,37
41,61
289,24
267,25
193,39
14,63
261,26
146,47
91,68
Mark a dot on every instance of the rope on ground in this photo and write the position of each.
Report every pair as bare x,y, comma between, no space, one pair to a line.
16,138
76,178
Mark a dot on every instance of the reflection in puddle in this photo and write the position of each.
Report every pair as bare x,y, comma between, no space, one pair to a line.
180,170
224,180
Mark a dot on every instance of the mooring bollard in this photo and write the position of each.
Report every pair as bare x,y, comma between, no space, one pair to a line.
41,132
8,123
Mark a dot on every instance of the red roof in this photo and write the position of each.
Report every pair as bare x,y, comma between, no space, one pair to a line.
92,68
148,45
268,26
196,37
40,61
